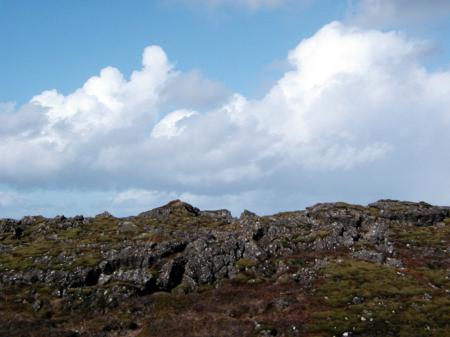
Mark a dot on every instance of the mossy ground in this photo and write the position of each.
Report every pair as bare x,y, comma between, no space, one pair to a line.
83,242
368,299
347,295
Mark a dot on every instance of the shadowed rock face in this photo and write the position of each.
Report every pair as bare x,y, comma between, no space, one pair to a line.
315,272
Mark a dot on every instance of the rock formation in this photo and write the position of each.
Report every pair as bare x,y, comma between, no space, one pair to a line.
332,269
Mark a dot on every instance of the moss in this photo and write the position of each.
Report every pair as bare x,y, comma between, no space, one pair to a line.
300,262
322,233
436,278
155,269
87,260
435,236
345,205
296,237
152,237
182,288
70,234
246,263
342,205
285,244
24,256
241,278
393,304
374,211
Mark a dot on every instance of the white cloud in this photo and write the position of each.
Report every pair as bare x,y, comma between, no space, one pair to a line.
194,90
140,197
168,126
399,12
106,102
356,118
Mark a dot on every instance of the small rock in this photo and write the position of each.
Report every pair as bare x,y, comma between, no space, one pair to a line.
127,227
37,305
394,262
357,300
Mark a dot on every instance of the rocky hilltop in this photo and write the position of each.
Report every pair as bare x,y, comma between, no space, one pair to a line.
333,269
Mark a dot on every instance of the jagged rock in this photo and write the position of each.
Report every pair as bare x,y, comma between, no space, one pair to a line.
174,207
78,218
247,215
418,214
328,213
375,232
28,221
8,225
104,214
142,279
176,249
221,214
171,274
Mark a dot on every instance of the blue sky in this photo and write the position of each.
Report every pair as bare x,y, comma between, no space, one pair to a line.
54,44
261,104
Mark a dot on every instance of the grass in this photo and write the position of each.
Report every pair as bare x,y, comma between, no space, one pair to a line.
364,298
393,303
434,236
243,264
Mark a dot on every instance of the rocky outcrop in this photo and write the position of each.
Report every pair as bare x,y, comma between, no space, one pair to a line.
178,247
209,254
175,207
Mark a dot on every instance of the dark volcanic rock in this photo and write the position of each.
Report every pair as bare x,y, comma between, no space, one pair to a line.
79,265
175,207
418,214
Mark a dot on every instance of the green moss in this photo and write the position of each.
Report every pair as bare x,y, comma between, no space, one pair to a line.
437,278
70,234
322,233
23,257
342,205
389,303
246,263
87,260
345,205
241,278
285,244
435,236
152,237
374,211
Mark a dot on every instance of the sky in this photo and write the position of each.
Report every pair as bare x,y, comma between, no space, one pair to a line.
267,105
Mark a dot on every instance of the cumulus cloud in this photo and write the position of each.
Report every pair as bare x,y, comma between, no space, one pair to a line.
194,90
355,118
168,126
399,12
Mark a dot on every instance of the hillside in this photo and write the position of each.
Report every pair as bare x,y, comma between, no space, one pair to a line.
333,269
